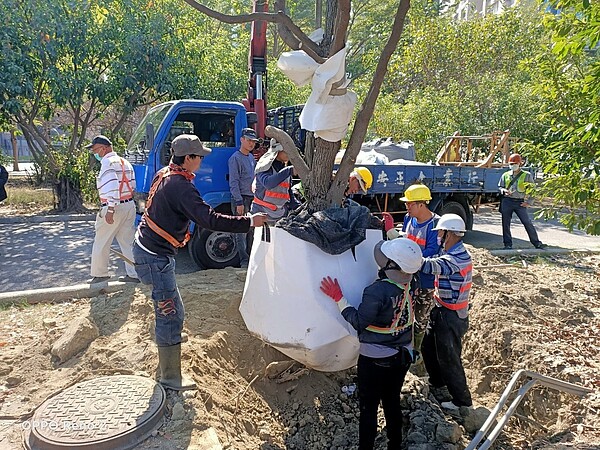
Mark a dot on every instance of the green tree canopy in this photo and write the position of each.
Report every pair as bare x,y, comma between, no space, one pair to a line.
569,81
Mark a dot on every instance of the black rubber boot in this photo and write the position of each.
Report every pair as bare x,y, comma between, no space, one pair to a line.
169,362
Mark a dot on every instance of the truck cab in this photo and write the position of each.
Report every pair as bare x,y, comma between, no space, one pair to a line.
219,126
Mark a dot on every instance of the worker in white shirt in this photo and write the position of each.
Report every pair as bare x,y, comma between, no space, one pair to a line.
116,218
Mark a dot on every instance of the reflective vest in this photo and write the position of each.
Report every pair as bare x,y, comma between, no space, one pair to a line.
404,316
275,198
162,174
519,185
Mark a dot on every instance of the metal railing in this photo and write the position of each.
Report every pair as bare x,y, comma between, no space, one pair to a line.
534,378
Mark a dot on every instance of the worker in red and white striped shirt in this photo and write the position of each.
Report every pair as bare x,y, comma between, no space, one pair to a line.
116,218
449,319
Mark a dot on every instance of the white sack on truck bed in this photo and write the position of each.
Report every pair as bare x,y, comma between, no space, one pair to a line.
283,305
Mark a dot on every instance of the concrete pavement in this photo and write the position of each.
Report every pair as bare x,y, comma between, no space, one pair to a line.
41,251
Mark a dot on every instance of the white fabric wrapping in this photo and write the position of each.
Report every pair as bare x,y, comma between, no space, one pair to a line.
297,66
283,305
328,116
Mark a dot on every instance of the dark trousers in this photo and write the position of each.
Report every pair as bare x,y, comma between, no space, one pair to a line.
442,350
509,206
241,239
380,380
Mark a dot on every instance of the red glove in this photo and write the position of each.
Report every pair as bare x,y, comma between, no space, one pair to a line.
388,221
331,288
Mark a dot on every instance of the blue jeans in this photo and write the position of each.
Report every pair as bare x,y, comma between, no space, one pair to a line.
241,239
508,206
159,271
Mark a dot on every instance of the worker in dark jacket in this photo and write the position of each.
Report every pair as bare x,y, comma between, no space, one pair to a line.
384,323
3,181
172,203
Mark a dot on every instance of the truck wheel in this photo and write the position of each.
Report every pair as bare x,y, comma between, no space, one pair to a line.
213,249
454,208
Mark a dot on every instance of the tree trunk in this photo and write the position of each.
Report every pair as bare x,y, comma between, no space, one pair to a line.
68,195
319,178
13,141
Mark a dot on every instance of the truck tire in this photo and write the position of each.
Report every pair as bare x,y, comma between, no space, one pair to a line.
213,249
454,208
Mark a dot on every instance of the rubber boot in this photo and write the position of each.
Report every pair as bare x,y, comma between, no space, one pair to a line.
169,362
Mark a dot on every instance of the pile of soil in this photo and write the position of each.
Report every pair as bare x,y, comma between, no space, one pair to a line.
539,314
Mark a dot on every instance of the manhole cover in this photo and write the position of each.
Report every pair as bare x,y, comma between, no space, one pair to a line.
115,412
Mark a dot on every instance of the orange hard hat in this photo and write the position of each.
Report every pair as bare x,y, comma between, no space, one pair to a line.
515,158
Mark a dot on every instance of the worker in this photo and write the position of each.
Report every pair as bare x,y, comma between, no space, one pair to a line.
360,180
384,322
241,174
418,225
172,203
448,321
513,185
273,184
116,217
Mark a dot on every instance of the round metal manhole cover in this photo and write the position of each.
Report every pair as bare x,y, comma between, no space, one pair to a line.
115,412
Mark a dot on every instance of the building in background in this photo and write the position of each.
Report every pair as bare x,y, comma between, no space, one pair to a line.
468,9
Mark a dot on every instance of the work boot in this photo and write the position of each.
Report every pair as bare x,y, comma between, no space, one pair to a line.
441,394
169,362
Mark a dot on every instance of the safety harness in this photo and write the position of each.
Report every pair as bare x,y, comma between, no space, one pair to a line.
403,312
123,182
162,174
464,288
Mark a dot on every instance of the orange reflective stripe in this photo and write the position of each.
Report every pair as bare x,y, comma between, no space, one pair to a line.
260,202
452,306
284,184
420,242
285,195
466,287
466,270
165,235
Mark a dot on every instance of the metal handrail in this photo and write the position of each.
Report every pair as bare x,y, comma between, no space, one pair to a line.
534,377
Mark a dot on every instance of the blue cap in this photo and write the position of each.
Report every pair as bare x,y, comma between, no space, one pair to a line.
249,133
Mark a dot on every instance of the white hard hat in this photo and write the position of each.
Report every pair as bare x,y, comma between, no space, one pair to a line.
451,222
404,252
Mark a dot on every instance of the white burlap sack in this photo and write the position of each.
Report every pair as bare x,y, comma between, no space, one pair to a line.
297,66
283,305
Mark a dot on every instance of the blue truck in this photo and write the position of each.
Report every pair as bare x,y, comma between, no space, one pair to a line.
219,125
456,187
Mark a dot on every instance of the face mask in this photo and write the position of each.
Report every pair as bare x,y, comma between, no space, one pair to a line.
97,156
439,241
513,167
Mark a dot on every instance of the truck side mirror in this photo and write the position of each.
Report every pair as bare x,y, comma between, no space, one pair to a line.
251,118
149,138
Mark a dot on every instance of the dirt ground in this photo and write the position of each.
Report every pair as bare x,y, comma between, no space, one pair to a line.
540,314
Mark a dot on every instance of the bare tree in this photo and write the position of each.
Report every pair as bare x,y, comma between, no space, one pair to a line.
315,172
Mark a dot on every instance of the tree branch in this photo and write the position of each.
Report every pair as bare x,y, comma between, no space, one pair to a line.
363,117
341,27
290,148
279,17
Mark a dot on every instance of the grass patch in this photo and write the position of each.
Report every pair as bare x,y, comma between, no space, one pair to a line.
22,197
